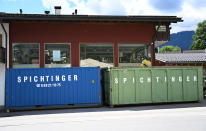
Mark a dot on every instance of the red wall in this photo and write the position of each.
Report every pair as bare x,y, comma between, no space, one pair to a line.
77,32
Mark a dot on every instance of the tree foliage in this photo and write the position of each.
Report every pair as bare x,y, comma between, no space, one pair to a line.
169,49
199,37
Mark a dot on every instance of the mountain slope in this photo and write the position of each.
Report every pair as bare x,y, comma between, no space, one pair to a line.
181,39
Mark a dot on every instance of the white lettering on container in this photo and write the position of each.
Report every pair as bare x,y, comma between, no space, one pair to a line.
42,78
188,78
63,77
30,80
195,78
173,79
69,77
19,79
149,79
116,80
141,79
25,78
75,77
52,78
180,79
124,80
35,79
47,78
57,78
157,79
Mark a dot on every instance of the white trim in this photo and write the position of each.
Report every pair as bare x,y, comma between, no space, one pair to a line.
2,65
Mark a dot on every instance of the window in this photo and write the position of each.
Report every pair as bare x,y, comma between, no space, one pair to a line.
161,28
57,55
96,55
25,55
133,54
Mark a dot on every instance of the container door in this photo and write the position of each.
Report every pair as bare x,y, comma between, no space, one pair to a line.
127,86
143,86
114,89
190,85
175,82
106,87
88,90
159,85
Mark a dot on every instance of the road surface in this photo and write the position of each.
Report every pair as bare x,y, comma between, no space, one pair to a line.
173,117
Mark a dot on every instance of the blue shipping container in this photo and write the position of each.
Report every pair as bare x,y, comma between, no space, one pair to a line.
53,87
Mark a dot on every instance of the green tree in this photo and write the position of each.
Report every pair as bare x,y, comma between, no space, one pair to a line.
169,48
199,37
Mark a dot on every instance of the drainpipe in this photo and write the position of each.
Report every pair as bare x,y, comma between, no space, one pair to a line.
6,45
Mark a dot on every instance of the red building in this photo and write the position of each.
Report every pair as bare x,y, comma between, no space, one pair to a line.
64,40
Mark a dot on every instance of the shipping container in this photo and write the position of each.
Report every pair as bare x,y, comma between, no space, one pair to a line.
127,85
53,87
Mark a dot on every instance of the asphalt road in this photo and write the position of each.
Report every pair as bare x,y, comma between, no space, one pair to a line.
173,117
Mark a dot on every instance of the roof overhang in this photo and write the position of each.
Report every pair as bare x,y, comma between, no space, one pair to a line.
6,17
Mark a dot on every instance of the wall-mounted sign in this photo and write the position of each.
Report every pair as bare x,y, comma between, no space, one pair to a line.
56,55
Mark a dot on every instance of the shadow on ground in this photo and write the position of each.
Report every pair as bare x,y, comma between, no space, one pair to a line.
105,109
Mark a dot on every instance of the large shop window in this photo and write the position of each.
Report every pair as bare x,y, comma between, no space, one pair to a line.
96,55
25,55
134,54
57,55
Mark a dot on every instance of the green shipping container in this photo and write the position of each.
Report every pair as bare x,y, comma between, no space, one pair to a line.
126,85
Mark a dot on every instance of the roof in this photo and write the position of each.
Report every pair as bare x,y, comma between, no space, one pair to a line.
7,17
181,57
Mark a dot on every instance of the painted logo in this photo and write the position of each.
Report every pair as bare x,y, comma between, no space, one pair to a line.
47,81
157,79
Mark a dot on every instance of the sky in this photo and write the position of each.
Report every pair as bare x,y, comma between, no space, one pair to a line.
191,11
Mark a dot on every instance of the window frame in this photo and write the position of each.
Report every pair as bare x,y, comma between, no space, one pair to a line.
95,43
25,44
145,44
57,44
1,40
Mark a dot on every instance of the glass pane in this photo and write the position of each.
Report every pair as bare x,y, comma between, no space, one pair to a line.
1,40
57,55
25,55
133,54
96,55
161,28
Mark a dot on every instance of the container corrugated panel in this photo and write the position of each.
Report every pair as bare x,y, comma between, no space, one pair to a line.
144,90
53,87
153,85
175,85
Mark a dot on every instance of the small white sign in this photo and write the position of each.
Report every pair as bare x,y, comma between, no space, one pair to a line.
56,55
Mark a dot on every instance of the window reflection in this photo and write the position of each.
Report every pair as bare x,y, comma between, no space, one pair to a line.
96,55
25,55
57,55
133,54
